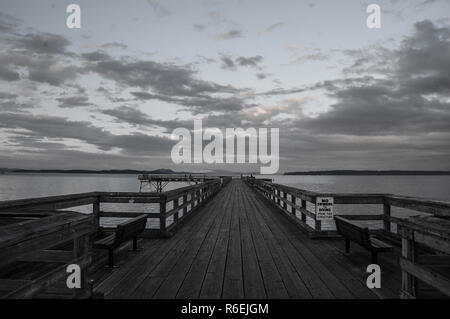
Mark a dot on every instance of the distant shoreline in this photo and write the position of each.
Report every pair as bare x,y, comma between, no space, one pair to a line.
81,171
371,173
169,171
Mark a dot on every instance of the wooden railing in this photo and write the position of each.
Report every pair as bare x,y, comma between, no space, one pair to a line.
174,205
425,255
293,202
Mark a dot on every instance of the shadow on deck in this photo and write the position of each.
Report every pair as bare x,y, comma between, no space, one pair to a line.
239,246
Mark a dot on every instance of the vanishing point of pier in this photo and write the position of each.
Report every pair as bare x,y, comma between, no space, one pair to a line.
223,238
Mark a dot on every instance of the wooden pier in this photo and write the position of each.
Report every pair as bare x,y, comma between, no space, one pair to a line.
250,239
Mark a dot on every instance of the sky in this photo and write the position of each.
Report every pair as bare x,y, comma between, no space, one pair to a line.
109,95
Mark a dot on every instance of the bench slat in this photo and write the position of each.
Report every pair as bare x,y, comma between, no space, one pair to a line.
360,235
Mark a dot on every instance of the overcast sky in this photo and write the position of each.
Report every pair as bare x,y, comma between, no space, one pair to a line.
108,95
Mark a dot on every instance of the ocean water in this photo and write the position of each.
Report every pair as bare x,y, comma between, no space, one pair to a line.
17,186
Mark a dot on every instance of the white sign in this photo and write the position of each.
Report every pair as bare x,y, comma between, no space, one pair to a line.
324,208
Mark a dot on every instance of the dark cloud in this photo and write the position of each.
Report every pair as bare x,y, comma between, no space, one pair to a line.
47,68
253,61
200,104
164,78
135,117
58,127
8,75
115,45
274,26
45,43
233,34
159,8
229,63
73,101
7,96
198,27
412,99
261,76
95,56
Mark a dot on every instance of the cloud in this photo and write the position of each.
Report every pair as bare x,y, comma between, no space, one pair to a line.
8,75
165,78
115,45
232,34
40,57
202,104
95,56
43,43
253,61
198,27
135,117
53,127
413,99
158,8
228,63
274,26
73,101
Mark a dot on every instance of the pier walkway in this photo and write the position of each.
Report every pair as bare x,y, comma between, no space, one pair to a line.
238,245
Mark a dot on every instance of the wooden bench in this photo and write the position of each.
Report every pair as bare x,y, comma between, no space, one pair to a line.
124,232
360,235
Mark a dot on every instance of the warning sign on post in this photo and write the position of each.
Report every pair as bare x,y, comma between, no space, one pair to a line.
324,208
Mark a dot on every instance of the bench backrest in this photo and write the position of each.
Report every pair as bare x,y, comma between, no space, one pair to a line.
130,229
353,232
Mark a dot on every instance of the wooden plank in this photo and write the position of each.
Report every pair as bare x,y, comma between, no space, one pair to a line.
135,280
193,281
183,262
49,256
253,281
427,275
306,276
293,284
213,281
127,214
437,208
233,281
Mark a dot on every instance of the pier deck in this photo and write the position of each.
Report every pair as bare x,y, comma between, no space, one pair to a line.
238,245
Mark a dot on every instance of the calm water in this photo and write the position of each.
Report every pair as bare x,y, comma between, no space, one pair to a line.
36,185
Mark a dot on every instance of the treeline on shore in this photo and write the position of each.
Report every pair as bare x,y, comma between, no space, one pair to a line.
369,172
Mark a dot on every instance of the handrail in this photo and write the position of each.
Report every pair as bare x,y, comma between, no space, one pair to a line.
192,197
278,194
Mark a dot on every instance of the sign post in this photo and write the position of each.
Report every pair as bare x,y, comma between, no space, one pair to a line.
324,208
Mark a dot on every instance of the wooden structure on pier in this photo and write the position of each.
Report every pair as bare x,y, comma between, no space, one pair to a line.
37,247
158,182
252,239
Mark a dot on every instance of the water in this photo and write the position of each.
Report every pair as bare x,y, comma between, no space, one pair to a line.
17,186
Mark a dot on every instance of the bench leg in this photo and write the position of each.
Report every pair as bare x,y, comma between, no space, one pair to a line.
111,258
347,245
374,257
135,243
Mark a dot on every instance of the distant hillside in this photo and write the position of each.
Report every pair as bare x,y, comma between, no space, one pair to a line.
370,172
82,171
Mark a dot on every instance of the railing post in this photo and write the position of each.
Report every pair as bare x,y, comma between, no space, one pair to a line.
387,214
96,212
176,203
294,202
317,225
185,196
409,252
162,214
304,207
285,199
278,193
